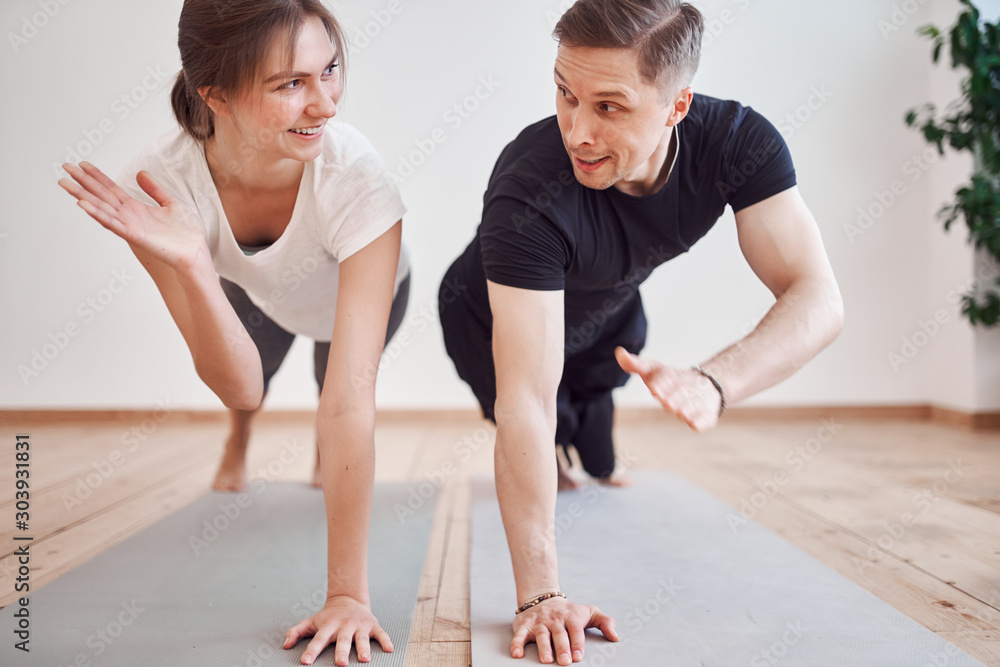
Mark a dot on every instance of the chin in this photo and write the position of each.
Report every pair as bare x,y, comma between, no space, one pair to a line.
594,181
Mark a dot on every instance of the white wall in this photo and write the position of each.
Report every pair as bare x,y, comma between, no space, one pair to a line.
72,74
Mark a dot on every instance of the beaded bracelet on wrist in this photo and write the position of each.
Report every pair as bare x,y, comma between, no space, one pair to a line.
715,383
541,598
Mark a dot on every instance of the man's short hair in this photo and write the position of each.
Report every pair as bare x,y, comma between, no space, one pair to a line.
665,33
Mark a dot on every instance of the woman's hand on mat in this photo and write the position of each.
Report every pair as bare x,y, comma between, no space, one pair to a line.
169,232
557,625
681,391
343,620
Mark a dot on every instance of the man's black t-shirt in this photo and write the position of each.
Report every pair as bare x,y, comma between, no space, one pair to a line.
542,230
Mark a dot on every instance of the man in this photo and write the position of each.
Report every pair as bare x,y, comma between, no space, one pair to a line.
579,210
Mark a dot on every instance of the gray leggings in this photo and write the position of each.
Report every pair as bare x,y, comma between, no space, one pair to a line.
273,342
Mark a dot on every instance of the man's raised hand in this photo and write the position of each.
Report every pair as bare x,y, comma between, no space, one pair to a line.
683,392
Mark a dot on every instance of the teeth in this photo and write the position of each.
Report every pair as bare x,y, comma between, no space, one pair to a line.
310,130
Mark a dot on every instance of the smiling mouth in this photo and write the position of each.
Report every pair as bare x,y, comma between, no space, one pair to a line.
307,131
590,165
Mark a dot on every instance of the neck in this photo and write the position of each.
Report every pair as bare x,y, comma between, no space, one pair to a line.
237,161
651,176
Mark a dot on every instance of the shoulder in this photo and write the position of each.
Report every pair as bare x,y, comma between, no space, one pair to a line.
175,159
715,121
345,148
533,162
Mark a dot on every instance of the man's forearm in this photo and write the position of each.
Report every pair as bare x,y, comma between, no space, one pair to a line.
526,489
347,452
806,318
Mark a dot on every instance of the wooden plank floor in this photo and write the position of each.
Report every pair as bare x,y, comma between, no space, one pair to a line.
909,510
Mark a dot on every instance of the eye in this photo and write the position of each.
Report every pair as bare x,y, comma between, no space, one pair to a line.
291,85
329,70
608,108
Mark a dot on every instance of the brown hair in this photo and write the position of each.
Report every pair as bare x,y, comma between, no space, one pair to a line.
223,44
666,33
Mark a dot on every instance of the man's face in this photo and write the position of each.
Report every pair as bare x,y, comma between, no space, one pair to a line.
612,121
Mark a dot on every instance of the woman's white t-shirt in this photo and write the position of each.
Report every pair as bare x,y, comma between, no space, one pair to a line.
346,200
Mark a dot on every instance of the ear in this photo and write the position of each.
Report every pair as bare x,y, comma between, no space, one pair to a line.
680,106
215,100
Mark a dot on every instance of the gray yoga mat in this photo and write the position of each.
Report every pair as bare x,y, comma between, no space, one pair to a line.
685,588
218,584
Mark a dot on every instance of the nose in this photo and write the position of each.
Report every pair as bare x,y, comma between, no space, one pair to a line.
323,101
581,130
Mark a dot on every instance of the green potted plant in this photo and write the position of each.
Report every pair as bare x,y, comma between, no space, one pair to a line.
971,123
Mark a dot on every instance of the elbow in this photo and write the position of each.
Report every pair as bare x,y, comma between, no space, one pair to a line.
836,314
244,402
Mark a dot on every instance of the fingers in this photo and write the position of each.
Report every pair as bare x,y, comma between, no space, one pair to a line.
604,623
577,640
631,363
382,637
297,632
100,215
105,181
342,653
362,643
517,644
319,642
543,641
560,645
91,184
153,189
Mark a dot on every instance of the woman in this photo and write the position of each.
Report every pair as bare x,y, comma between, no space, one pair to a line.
300,220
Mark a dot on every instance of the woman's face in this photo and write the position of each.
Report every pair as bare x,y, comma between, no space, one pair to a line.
285,111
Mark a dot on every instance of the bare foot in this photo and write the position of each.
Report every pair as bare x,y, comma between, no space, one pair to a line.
566,481
232,475
619,479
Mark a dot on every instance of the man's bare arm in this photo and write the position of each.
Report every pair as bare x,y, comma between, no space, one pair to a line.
528,354
781,242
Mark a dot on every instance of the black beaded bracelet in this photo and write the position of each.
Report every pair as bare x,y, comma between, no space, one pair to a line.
541,598
718,387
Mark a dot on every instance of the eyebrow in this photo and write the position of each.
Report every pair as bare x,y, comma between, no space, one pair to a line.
602,94
296,75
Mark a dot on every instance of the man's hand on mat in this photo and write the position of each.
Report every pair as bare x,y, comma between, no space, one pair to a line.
560,625
343,620
684,392
169,232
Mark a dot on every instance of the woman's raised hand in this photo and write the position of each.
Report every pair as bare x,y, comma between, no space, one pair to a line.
169,232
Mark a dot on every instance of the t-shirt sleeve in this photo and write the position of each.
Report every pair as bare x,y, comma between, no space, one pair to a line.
756,163
521,245
369,204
